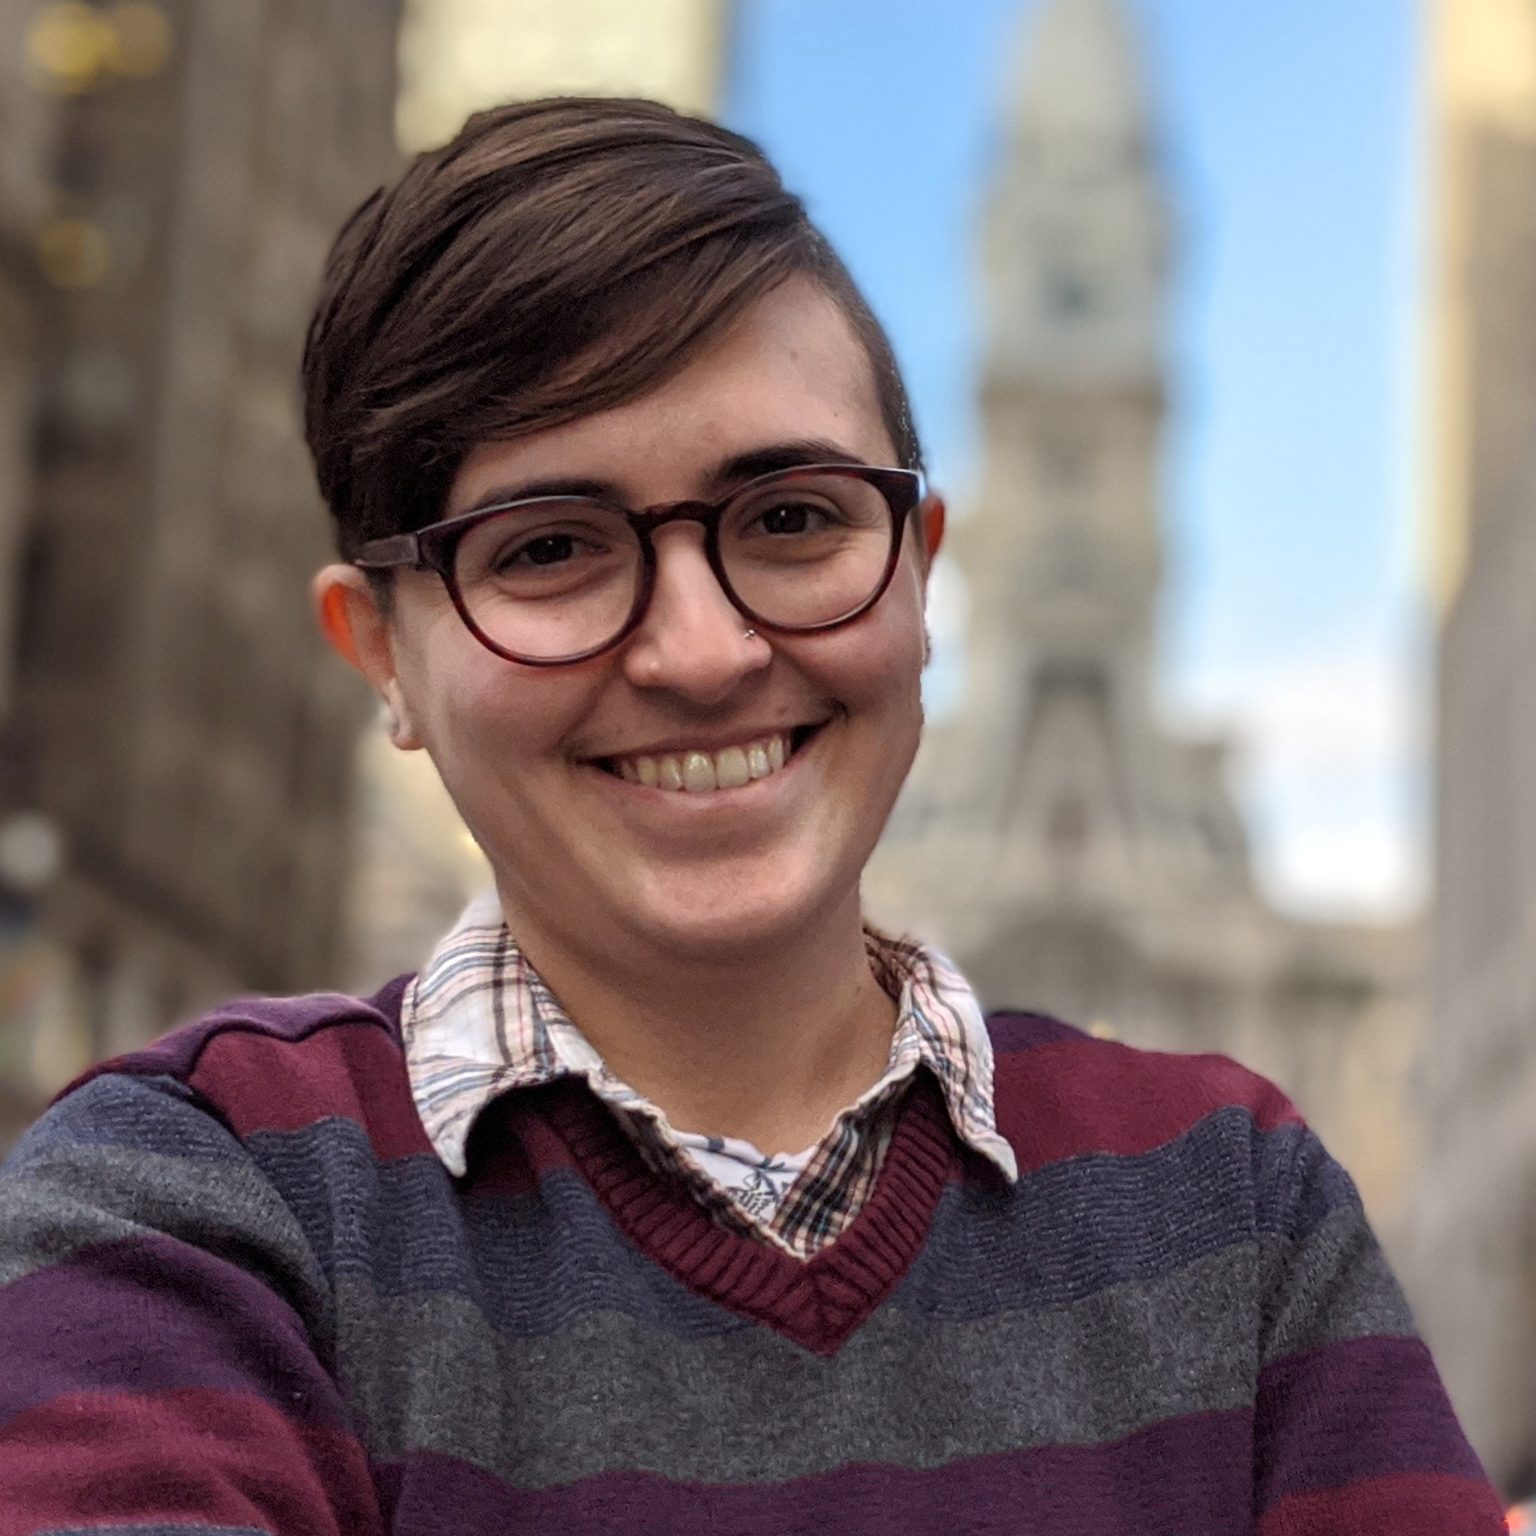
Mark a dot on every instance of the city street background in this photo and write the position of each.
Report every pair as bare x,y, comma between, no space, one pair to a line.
1216,320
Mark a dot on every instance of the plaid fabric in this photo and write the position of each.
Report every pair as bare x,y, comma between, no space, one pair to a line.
478,1022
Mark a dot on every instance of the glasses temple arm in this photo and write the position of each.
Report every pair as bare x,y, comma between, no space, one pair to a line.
380,554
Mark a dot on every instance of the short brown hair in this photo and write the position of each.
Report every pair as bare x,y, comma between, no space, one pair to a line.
558,257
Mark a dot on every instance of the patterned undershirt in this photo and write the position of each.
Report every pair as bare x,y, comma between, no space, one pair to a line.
478,1022
756,1182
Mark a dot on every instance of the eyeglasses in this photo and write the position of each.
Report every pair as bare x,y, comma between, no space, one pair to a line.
558,579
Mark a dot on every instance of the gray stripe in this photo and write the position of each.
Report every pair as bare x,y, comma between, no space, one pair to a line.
80,1197
153,1114
1335,1285
612,1394
536,1262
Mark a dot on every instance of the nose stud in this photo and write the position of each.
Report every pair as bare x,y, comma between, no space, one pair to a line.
750,634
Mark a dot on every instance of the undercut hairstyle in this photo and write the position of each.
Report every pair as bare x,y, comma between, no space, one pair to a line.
557,258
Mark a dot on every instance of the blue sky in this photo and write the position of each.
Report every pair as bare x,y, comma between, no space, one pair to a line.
1291,137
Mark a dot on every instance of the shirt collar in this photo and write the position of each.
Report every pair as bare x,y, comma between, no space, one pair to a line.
478,1022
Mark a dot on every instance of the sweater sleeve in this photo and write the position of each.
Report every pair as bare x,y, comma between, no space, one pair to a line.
1354,1431
162,1327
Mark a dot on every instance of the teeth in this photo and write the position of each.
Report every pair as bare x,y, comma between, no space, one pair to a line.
700,772
731,770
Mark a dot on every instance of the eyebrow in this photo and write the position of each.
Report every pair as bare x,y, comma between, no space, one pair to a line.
736,470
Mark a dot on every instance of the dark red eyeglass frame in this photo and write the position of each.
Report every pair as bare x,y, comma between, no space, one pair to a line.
432,549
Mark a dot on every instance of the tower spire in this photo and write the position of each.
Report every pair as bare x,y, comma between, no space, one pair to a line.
1080,77
1073,388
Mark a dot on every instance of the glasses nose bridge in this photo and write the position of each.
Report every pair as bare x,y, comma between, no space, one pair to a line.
706,513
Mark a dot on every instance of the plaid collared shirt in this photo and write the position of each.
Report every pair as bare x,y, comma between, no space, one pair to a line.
478,1022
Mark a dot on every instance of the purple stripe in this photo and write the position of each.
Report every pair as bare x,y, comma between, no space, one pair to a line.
1016,1032
1352,1411
151,1314
1189,1477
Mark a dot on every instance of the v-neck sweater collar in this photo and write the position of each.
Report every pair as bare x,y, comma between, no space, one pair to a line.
819,1302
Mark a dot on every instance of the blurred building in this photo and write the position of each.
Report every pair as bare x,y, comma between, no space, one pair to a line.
460,55
171,722
1475,1275
28,118
416,862
1074,854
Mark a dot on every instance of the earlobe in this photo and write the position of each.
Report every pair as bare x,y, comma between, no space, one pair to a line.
358,632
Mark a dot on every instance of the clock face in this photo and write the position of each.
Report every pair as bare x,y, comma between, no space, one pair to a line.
1068,294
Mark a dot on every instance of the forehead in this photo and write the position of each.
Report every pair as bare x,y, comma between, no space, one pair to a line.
790,369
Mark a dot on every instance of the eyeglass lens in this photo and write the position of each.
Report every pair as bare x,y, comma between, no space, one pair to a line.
558,578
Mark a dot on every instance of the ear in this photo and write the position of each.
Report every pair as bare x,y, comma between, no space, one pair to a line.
360,632
932,524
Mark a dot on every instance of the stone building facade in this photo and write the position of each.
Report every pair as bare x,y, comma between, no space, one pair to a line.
172,714
1473,1262
1071,852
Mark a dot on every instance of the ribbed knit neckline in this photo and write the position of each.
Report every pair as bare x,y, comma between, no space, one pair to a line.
818,1303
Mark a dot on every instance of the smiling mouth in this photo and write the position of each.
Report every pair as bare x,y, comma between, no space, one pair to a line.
699,771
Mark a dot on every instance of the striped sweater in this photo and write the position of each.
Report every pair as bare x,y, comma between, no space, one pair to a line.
239,1293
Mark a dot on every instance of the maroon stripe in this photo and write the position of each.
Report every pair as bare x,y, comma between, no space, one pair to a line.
1081,1096
1406,1504
1189,1477
1358,1409
153,1314
193,1457
289,1018
352,1070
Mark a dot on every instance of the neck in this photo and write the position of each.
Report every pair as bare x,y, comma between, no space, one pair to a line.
767,1045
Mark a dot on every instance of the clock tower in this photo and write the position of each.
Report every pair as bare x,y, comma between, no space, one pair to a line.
1073,853
1063,552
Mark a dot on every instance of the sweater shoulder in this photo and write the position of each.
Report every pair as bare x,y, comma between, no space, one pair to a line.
285,1064
1062,1092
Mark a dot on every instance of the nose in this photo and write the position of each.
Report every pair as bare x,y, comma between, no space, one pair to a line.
693,639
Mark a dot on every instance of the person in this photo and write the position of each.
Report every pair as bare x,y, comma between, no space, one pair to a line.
669,1195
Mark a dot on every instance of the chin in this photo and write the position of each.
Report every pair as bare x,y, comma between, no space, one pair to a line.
720,920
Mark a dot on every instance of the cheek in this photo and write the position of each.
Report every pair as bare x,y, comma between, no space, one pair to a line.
875,666
486,720
901,644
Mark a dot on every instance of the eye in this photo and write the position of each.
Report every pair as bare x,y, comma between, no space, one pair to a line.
527,556
787,518
545,549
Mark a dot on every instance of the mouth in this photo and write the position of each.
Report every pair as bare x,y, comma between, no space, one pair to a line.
703,770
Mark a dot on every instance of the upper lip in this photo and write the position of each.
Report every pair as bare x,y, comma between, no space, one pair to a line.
706,741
